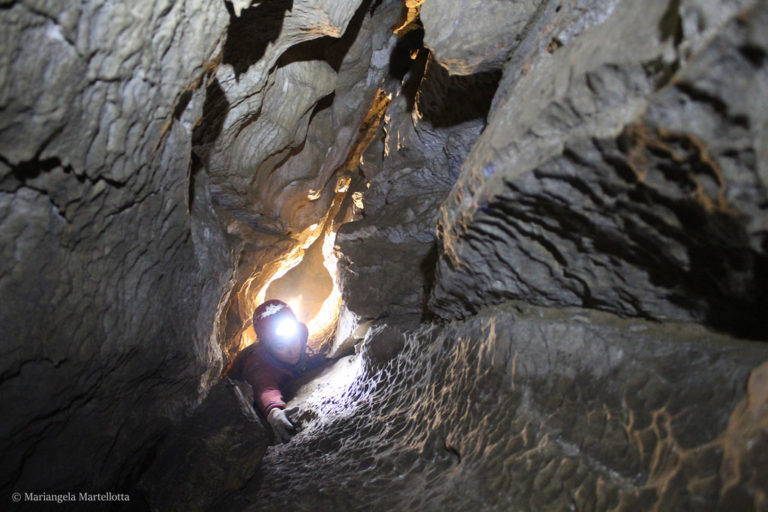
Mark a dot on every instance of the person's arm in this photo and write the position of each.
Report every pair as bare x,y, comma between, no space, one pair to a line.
264,381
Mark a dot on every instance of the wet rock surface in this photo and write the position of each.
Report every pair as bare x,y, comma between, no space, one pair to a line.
525,408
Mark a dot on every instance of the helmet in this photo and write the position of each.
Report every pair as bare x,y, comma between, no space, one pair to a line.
274,322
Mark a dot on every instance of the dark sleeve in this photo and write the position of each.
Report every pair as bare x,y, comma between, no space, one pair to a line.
265,382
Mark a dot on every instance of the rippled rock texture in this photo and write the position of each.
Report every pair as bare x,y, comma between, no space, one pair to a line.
112,265
525,408
282,115
558,249
138,186
629,177
620,167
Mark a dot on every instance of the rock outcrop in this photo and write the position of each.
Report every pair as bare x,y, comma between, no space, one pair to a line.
430,126
620,170
213,451
624,177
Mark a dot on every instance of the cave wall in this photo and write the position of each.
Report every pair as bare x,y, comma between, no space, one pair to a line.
560,250
429,128
633,178
528,408
281,128
138,178
113,264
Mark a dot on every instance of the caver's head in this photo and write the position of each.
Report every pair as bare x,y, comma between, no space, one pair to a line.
277,327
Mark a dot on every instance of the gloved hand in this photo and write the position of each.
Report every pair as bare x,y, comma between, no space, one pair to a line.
281,425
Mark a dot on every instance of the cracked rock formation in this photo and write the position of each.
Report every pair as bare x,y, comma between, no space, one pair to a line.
424,151
552,235
632,179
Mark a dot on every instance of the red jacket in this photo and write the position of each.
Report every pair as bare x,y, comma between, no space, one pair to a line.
268,375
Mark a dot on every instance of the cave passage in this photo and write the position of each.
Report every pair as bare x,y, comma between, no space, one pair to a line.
529,239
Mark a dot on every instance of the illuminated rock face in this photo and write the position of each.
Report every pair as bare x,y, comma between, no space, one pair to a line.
561,250
621,168
279,126
529,408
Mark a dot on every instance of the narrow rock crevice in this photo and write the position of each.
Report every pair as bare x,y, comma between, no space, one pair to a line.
537,232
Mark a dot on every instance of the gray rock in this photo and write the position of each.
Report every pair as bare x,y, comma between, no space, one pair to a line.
259,109
631,179
107,315
471,37
272,198
213,451
159,161
426,137
527,408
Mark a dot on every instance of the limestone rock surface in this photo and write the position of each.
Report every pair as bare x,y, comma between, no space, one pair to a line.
213,451
426,136
262,100
111,274
625,177
553,284
282,147
470,37
527,408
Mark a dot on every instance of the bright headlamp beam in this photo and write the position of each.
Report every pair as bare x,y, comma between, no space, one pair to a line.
286,327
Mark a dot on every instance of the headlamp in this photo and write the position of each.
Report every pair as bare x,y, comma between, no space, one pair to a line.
287,328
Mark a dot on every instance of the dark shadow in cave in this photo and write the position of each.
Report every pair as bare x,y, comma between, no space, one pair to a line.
442,99
205,133
182,103
726,282
375,5
428,267
27,170
725,279
329,49
215,109
400,61
407,63
249,35
446,100
324,103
